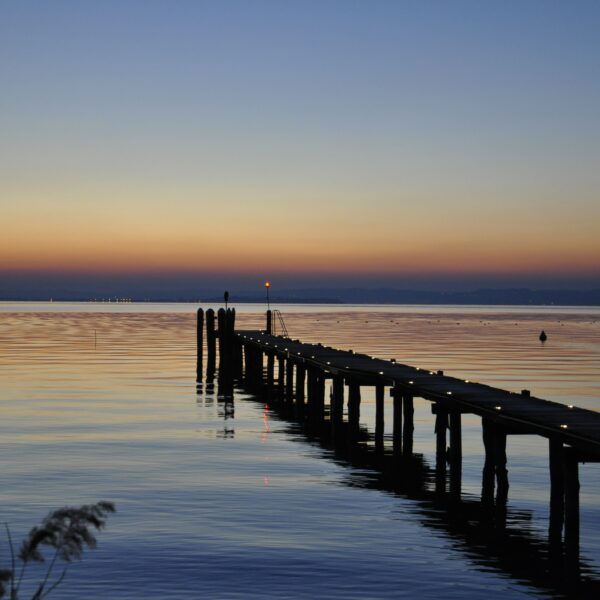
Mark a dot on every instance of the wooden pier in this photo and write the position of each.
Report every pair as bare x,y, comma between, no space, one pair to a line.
295,373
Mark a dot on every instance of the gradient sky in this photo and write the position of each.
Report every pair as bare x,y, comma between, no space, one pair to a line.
331,141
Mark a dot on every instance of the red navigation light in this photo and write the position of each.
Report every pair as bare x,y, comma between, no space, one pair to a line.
267,284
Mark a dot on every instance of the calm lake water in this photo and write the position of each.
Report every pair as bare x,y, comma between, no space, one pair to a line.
218,501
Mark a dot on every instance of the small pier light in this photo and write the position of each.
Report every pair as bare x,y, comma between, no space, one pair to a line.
449,393
381,372
498,407
570,405
328,363
411,382
467,381
564,426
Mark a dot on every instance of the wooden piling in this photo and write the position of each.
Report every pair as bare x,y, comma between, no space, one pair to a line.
557,491
280,376
500,464
571,478
337,408
270,370
379,417
489,466
199,344
289,381
300,381
353,411
455,453
211,341
397,434
408,428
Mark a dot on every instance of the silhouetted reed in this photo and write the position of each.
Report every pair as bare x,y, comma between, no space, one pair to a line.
68,531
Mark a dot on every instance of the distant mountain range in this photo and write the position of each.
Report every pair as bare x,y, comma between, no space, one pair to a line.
512,296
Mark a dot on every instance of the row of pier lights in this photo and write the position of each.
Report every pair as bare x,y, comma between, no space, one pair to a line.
293,382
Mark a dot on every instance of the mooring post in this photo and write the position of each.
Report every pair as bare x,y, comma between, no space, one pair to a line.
571,475
269,329
222,335
199,344
397,433
557,491
289,380
211,341
455,453
337,408
379,417
441,436
353,411
408,411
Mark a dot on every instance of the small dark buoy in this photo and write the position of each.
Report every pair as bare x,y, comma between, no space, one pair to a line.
543,336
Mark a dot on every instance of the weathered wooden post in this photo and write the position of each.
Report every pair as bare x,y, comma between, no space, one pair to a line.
222,335
571,475
289,380
319,398
353,411
269,329
557,491
441,446
211,342
500,464
489,466
300,380
409,427
337,408
379,417
311,392
199,344
280,376
455,453
397,433
270,370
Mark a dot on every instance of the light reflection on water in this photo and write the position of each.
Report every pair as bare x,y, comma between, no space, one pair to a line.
230,501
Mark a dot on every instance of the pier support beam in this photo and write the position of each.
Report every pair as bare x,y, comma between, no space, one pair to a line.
495,472
571,475
455,453
289,381
280,376
353,411
337,408
379,418
397,433
557,492
408,411
300,379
